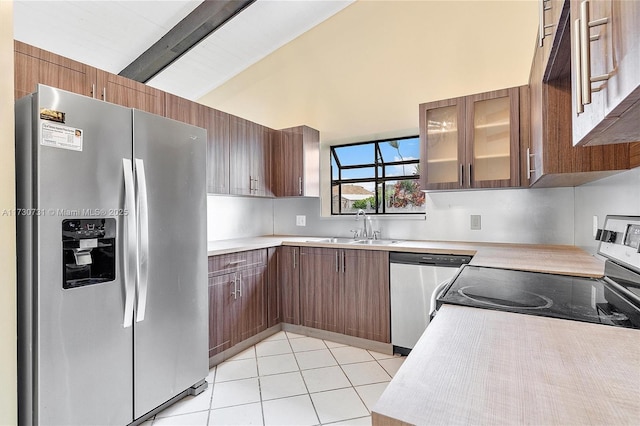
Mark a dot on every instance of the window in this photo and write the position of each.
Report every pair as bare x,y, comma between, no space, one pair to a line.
379,177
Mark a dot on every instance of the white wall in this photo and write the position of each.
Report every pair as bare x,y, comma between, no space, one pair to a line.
238,217
618,194
8,367
542,216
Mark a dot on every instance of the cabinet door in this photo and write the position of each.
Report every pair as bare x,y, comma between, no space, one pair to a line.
289,275
493,139
442,142
223,313
288,165
33,66
252,287
274,289
129,93
260,159
184,110
366,288
321,292
239,156
217,125
615,52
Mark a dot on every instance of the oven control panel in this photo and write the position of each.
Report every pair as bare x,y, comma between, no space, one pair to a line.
620,240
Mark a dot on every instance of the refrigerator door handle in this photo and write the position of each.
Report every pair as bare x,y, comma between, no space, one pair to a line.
143,240
129,258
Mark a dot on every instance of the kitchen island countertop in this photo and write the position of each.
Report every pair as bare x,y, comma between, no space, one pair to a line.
559,259
480,366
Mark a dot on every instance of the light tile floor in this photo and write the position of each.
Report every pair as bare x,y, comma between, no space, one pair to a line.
289,379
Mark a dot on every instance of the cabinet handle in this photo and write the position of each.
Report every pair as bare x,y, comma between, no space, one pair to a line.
542,27
529,169
239,285
461,175
236,262
343,262
93,91
104,94
235,286
337,263
300,185
577,62
295,263
585,51
469,174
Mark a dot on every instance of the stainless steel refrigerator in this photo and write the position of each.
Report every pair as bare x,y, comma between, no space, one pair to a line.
112,260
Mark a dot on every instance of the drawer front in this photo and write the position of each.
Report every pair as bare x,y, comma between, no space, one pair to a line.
232,262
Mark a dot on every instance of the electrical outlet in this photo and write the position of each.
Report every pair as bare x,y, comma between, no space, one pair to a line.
301,220
476,222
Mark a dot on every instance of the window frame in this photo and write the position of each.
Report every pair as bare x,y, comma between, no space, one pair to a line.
377,179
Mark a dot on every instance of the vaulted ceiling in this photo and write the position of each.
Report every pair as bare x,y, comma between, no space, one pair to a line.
114,35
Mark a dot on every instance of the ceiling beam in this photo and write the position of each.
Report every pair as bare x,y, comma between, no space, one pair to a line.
195,27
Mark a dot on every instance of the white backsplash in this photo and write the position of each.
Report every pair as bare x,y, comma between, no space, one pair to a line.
238,217
616,195
541,216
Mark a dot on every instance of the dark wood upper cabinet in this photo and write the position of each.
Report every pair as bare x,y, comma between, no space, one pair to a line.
184,110
217,125
472,141
551,159
36,66
296,162
250,158
129,93
606,69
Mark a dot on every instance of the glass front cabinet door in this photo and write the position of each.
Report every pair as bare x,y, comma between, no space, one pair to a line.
471,142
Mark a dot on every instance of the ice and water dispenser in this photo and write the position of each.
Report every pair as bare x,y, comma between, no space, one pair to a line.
89,251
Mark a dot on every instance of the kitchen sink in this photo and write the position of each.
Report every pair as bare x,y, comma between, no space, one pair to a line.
376,242
335,240
344,240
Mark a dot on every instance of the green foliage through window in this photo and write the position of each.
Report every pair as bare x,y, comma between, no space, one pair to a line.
379,177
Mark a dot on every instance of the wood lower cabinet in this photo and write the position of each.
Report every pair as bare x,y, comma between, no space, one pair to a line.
289,278
321,288
237,298
346,291
274,287
223,313
366,289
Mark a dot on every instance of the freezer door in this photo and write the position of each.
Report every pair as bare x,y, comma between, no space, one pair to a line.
171,328
76,350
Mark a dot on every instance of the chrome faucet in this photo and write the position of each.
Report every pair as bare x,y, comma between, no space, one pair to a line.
367,232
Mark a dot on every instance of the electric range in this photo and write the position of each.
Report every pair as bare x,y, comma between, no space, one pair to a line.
611,300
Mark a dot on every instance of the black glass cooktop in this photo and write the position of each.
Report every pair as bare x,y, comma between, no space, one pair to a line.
534,293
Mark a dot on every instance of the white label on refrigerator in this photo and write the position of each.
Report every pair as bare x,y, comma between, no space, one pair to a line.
59,136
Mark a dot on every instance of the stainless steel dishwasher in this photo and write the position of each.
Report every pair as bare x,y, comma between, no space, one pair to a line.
413,279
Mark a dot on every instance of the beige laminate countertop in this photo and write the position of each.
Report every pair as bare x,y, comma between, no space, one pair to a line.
559,259
480,366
